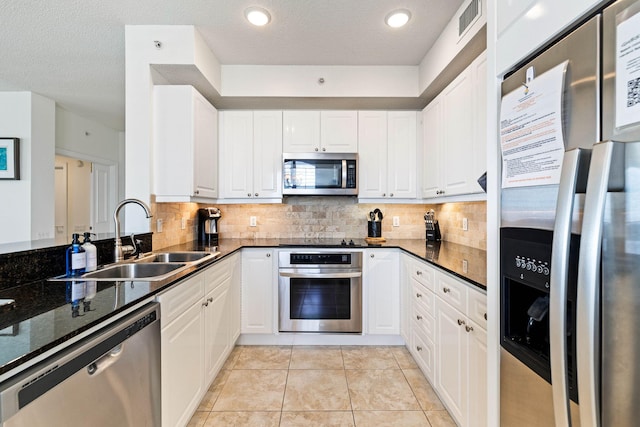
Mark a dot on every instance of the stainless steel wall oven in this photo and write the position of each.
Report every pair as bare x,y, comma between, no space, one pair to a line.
320,291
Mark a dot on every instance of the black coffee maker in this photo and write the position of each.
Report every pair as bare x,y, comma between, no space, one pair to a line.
208,226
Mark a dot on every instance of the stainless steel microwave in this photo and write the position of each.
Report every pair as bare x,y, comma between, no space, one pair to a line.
320,174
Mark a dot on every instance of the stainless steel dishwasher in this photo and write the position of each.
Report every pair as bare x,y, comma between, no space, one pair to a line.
112,378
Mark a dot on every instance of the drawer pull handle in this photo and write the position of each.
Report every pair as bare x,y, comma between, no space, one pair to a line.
372,256
205,304
446,290
461,322
418,348
418,295
419,317
419,273
268,255
256,194
469,328
210,299
485,316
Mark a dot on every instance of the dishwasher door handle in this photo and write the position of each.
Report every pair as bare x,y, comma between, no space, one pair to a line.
106,360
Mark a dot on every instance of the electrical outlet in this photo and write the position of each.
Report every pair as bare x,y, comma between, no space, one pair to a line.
159,226
253,221
465,224
396,221
183,223
465,265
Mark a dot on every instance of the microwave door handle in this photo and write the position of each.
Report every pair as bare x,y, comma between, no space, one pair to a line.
588,298
344,174
558,285
335,275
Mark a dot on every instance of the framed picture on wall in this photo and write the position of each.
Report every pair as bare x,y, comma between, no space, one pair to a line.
9,158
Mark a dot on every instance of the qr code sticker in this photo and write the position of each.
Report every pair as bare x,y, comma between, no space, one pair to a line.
633,92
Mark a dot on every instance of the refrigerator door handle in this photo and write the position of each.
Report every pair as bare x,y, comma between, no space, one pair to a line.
588,298
571,171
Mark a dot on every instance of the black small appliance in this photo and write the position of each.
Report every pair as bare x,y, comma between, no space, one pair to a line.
208,226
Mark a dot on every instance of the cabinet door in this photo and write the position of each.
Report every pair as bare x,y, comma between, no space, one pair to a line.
301,131
236,145
339,131
205,137
451,359
431,154
372,154
401,152
217,328
457,119
258,305
236,283
382,290
267,154
479,69
477,339
182,366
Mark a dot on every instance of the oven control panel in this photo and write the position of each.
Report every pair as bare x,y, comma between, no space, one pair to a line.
328,258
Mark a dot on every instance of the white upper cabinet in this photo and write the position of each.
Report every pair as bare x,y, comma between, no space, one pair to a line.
320,131
523,26
185,145
387,154
454,129
339,131
251,153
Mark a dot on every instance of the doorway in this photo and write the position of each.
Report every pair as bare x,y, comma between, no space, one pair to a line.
85,196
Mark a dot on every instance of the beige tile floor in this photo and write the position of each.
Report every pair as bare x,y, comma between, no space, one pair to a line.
320,386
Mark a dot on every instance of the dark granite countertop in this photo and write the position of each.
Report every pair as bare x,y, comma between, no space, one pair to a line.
46,314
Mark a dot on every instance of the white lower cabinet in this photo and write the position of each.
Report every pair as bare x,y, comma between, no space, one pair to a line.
447,328
196,337
381,291
258,302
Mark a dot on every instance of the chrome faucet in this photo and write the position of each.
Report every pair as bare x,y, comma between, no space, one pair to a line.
120,251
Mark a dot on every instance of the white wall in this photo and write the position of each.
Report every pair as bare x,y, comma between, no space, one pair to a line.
83,138
448,45
302,81
31,118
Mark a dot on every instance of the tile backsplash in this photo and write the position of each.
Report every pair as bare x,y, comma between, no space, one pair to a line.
321,217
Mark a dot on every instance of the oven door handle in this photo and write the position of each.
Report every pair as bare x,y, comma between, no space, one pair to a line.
335,275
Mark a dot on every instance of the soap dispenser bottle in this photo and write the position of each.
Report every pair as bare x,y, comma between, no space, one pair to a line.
76,258
91,253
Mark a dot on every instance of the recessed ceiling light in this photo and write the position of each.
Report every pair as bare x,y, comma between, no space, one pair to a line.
398,18
257,16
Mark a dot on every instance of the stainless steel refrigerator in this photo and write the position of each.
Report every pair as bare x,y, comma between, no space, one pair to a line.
570,250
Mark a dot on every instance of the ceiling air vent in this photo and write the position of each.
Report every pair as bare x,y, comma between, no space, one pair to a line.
468,16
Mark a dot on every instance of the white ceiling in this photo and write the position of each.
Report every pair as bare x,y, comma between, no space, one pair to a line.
72,51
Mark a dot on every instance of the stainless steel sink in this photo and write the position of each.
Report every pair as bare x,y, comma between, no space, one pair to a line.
136,271
188,257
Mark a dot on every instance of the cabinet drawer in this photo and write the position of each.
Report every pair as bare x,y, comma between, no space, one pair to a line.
423,274
423,352
180,297
423,297
424,322
452,290
217,274
478,308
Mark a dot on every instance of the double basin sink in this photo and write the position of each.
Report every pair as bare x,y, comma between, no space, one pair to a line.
152,267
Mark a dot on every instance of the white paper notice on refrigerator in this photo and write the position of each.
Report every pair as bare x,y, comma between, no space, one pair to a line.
627,69
531,136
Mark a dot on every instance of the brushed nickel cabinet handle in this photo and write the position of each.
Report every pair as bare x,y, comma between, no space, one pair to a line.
418,348
268,255
256,194
461,322
418,295
446,290
419,273
469,328
419,317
